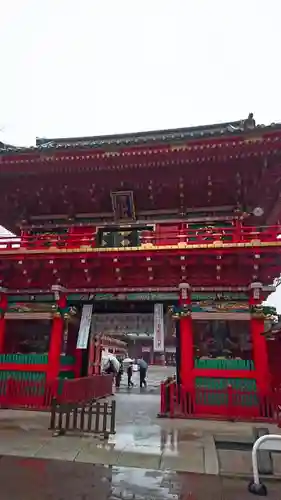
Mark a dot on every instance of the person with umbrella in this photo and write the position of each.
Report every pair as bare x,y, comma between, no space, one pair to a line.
143,370
111,366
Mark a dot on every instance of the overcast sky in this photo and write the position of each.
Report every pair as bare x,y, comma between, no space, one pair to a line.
88,67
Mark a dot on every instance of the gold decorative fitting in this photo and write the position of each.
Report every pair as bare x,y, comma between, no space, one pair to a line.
57,314
258,315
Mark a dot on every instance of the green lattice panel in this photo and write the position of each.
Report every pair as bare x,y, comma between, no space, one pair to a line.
33,359
210,398
6,375
216,226
26,359
67,360
67,375
224,364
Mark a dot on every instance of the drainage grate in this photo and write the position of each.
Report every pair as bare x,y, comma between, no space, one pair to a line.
233,446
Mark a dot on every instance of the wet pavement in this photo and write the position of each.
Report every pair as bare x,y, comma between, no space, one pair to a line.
155,375
34,479
141,440
140,459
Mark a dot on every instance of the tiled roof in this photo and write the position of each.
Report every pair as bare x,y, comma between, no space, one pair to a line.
142,138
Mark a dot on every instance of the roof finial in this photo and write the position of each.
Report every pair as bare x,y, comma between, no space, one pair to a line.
249,123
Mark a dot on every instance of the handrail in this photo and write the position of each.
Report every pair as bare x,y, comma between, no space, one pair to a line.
182,237
269,442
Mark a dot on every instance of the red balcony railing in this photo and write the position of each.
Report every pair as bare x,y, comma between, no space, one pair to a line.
159,237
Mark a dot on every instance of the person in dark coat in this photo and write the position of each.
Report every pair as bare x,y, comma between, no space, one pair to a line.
143,370
119,374
130,374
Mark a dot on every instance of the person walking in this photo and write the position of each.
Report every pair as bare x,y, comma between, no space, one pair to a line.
130,374
143,371
119,374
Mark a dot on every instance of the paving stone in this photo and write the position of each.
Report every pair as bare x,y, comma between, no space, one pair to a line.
237,489
276,459
98,456
235,462
139,460
199,487
191,461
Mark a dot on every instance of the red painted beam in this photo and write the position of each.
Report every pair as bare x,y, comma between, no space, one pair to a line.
141,254
23,367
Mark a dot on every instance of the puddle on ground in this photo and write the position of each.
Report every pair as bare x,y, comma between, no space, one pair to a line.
33,479
144,484
153,436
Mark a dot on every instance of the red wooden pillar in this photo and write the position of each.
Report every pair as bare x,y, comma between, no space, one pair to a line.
95,355
186,340
237,230
56,340
92,355
260,353
3,308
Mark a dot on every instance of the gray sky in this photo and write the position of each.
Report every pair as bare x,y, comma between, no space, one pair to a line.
91,67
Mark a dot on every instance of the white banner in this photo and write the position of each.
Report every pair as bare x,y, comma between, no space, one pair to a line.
158,339
84,329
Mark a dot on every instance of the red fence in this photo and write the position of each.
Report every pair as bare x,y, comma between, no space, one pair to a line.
227,404
189,236
39,394
27,393
86,389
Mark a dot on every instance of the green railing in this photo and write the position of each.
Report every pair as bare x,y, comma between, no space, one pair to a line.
33,359
222,383
26,359
224,364
22,375
67,360
211,396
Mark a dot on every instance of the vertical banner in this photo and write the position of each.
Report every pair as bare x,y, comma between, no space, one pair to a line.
84,329
158,339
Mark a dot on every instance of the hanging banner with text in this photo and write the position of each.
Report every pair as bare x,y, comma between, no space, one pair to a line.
158,339
84,329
